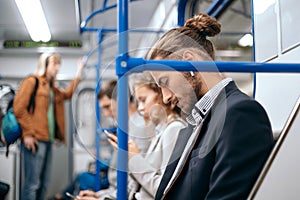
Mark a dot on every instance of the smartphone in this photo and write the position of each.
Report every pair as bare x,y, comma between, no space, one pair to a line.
110,130
70,195
107,134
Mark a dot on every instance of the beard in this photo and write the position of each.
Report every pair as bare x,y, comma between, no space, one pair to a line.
195,95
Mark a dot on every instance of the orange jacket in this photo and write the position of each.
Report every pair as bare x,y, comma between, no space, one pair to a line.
36,124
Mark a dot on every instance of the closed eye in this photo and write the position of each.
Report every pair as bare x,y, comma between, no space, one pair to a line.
141,100
163,81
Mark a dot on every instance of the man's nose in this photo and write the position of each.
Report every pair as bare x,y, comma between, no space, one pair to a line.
106,113
167,95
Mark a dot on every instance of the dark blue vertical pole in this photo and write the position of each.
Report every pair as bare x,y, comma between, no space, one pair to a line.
253,31
98,116
122,100
181,12
253,48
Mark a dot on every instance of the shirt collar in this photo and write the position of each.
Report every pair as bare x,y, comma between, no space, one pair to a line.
203,106
159,128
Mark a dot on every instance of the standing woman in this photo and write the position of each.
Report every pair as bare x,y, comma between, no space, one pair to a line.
44,125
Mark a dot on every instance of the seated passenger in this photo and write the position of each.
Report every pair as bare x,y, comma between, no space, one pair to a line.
146,171
84,180
107,103
222,152
137,131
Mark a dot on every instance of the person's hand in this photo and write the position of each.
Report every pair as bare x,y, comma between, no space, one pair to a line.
87,195
57,142
132,146
113,140
80,65
31,143
132,149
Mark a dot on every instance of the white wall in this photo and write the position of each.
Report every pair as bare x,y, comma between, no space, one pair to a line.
9,170
282,178
277,40
20,65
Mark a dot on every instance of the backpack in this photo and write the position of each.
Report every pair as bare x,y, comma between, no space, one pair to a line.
11,129
6,94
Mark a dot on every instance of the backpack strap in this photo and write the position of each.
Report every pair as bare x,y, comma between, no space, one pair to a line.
32,97
11,100
7,150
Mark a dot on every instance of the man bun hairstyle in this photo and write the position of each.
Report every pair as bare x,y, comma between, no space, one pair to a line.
193,34
204,25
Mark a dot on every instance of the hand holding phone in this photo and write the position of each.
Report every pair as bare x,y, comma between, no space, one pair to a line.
70,195
106,133
111,136
113,140
87,195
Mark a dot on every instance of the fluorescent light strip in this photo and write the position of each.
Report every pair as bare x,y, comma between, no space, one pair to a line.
34,19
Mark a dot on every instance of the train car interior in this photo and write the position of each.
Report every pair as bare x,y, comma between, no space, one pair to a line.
258,47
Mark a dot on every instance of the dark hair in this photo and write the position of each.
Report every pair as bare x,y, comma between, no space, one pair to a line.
193,34
108,90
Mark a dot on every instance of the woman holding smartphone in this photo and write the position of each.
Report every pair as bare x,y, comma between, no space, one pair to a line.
147,170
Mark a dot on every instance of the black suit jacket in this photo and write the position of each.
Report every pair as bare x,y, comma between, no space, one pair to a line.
228,155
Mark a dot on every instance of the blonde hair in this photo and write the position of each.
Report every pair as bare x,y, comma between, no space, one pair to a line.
193,35
141,80
43,62
145,79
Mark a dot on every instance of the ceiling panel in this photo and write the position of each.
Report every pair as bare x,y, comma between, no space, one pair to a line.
62,16
64,22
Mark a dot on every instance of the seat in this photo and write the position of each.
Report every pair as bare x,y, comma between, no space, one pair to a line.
279,178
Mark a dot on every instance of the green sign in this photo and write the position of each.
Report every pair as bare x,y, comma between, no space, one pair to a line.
31,44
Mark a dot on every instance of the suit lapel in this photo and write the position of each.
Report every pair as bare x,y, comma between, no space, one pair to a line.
182,139
183,159
184,147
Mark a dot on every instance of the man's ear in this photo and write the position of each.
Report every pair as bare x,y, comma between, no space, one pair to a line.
188,55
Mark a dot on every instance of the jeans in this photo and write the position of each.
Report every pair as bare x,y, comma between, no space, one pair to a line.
36,171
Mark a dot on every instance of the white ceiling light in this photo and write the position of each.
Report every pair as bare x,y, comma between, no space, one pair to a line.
34,19
246,40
